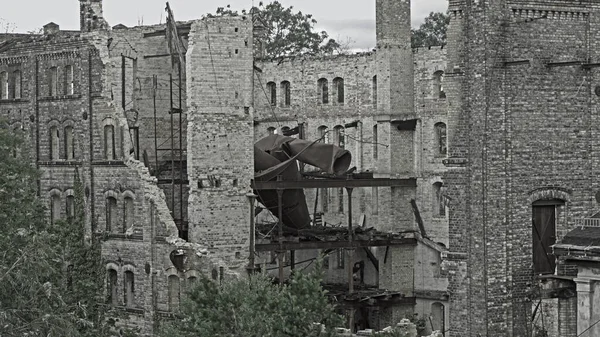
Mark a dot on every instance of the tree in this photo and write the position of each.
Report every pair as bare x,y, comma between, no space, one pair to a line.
286,32
51,282
255,307
432,32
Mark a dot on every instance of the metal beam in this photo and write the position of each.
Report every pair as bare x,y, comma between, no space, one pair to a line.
333,183
307,245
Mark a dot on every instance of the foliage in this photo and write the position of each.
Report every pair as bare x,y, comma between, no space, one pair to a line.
432,32
288,33
40,294
256,307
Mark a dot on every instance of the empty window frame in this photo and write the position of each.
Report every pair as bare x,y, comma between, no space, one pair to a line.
3,85
323,134
70,207
375,138
109,142
69,143
53,81
128,213
111,213
438,87
440,139
16,87
323,91
438,313
438,206
286,93
272,93
545,215
54,143
129,289
69,86
54,208
111,287
374,91
174,292
338,90
271,130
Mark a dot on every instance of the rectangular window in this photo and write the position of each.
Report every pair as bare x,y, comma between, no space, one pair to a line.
129,289
68,85
109,142
53,82
69,144
16,94
3,85
135,141
544,236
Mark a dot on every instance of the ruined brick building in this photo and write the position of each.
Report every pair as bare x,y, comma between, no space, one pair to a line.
492,138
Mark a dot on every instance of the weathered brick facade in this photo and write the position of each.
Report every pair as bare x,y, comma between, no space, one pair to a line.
514,89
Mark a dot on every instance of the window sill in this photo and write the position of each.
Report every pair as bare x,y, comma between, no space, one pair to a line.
60,162
13,100
118,163
59,97
122,236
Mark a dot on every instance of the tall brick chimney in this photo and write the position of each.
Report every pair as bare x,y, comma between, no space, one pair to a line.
395,59
90,16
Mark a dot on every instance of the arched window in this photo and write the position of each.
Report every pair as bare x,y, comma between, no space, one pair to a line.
129,289
286,93
437,317
4,85
191,281
69,144
70,207
375,136
53,81
322,133
440,139
128,215
374,91
109,142
438,87
68,85
111,213
54,208
438,207
111,287
17,84
271,130
338,90
272,91
54,143
323,91
174,293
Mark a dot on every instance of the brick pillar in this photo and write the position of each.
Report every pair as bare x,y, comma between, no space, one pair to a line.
220,135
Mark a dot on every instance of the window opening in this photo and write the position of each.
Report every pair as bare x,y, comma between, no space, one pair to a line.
69,144
439,209
111,213
3,85
338,87
54,143
441,138
544,236
286,93
323,91
272,90
438,88
17,84
374,91
173,293
54,208
69,87
109,142
112,287
129,289
128,213
53,82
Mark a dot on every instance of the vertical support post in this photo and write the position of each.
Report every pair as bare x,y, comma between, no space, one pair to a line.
172,147
280,252
154,88
350,258
123,81
181,155
251,262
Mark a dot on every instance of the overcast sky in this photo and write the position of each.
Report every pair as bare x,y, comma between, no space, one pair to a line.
340,18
